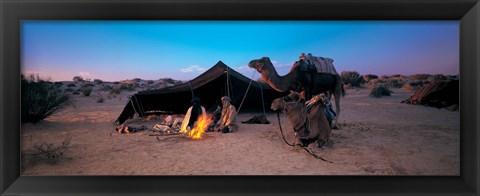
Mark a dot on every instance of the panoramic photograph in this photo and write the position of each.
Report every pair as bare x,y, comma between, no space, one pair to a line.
366,98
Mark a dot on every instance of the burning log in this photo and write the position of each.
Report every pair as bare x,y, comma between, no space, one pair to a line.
200,127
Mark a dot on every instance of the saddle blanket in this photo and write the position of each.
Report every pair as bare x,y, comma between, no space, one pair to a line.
322,64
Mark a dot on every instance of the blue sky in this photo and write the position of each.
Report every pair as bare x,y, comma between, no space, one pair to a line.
119,50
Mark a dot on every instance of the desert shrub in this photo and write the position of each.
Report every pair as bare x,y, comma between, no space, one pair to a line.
69,90
168,80
419,77
86,91
40,99
452,77
71,85
58,83
116,90
408,87
414,84
380,90
128,86
76,92
43,152
394,82
100,100
352,78
116,82
150,82
88,85
369,77
437,77
105,88
137,79
78,79
97,81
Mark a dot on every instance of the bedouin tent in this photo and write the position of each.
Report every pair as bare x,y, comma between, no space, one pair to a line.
210,86
438,94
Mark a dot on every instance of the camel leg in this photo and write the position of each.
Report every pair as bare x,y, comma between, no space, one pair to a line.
337,109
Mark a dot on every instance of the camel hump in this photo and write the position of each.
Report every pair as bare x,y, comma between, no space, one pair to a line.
321,64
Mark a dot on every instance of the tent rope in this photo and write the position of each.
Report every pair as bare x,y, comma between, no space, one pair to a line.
246,92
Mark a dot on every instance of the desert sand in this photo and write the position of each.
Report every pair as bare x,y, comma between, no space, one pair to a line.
378,136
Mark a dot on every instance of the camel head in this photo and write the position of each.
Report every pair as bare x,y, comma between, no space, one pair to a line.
288,102
258,64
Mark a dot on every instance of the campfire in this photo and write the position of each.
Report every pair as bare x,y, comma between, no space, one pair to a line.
200,127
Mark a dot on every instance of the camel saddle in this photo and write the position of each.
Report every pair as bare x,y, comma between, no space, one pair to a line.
318,64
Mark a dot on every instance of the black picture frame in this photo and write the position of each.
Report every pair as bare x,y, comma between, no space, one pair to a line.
467,12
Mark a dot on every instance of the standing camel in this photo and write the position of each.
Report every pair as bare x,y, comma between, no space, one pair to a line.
309,83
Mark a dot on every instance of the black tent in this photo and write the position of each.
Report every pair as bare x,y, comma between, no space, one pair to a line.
438,94
218,81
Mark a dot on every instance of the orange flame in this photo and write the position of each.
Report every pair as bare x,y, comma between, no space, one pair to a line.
200,127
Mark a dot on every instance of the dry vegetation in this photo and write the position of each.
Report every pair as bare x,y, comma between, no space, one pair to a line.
381,86
43,152
40,99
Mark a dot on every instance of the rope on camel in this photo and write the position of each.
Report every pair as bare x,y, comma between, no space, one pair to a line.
304,148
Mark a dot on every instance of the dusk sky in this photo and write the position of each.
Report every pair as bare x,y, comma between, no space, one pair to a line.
119,50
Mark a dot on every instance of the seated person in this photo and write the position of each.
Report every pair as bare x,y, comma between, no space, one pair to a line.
226,123
192,115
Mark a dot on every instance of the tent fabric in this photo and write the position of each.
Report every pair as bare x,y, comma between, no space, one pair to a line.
210,86
439,94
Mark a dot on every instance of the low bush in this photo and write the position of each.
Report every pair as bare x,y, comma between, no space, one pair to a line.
43,152
379,91
86,91
97,81
71,85
352,78
369,77
419,77
408,87
78,79
437,77
69,90
40,99
100,100
88,85
115,90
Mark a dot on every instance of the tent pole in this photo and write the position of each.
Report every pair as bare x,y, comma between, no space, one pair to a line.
140,108
131,101
228,84
191,89
263,101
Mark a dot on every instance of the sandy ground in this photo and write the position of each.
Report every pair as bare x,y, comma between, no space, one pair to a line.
379,136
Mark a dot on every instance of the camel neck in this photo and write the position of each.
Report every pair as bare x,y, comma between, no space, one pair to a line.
277,82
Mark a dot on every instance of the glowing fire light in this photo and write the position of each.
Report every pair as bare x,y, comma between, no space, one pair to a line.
200,127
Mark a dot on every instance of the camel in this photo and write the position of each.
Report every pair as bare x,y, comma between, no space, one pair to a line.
311,126
308,83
